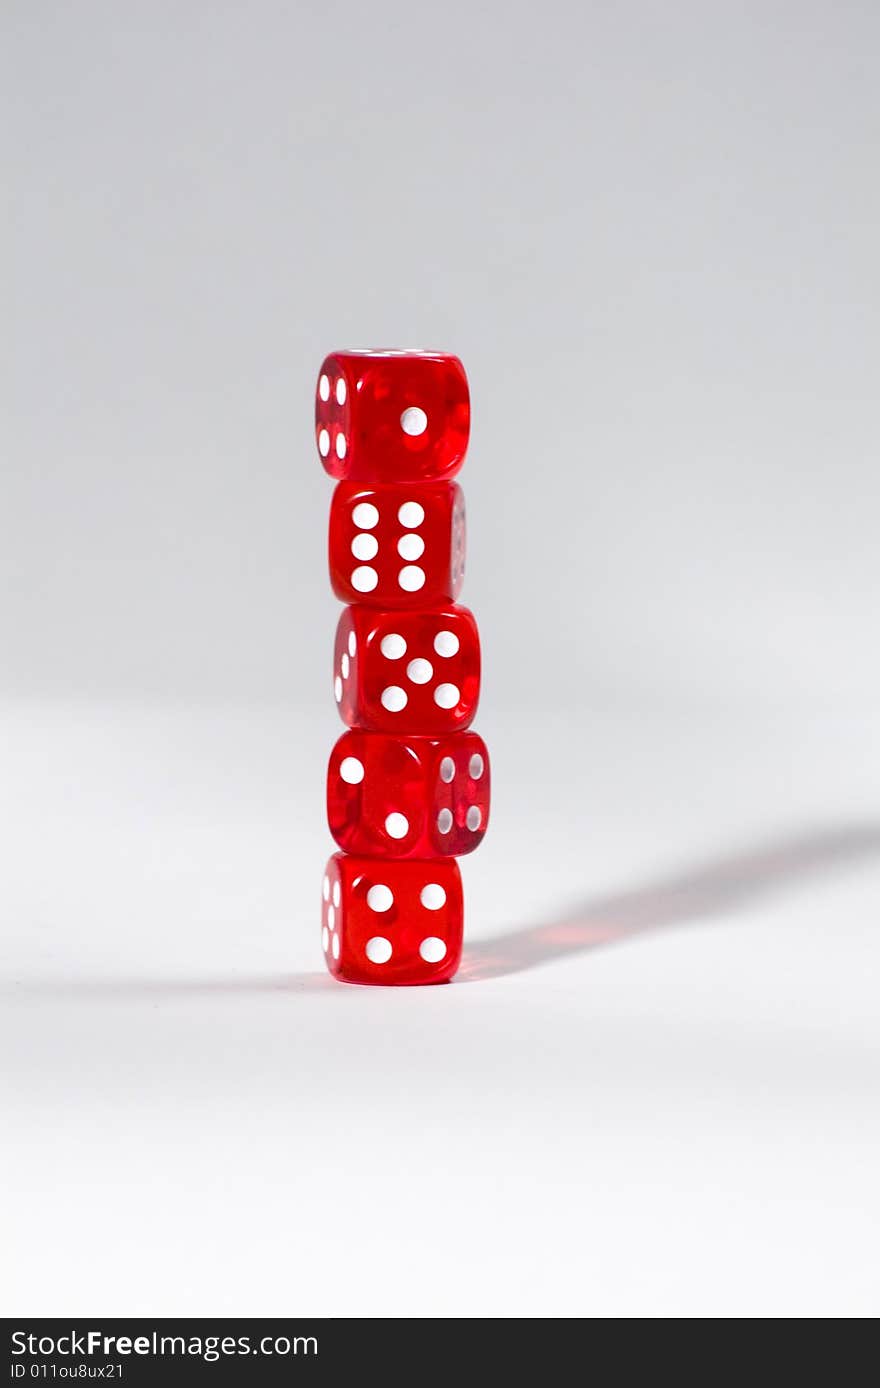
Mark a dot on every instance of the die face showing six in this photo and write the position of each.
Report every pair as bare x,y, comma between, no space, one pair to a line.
408,796
396,546
391,922
415,671
384,416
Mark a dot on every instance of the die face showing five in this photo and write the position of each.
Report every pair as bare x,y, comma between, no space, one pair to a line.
416,671
396,546
408,796
384,416
391,922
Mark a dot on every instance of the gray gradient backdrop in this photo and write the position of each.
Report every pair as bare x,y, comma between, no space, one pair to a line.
651,232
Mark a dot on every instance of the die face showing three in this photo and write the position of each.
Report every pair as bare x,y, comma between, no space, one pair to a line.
397,546
412,671
391,922
384,416
408,796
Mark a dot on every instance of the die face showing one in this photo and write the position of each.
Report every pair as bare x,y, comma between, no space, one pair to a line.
391,923
416,671
408,796
397,547
383,416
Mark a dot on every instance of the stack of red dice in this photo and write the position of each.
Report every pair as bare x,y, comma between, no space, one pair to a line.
408,785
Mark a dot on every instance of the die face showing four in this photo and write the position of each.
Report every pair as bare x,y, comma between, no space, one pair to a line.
408,796
391,922
397,546
416,671
384,416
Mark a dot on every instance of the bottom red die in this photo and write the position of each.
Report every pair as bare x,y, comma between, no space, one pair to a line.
391,922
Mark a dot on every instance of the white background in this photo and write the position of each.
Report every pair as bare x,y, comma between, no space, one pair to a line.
651,234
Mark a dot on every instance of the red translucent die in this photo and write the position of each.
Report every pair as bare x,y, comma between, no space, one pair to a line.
397,546
392,416
419,671
408,796
393,923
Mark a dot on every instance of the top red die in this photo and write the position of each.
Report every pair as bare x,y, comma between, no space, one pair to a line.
383,416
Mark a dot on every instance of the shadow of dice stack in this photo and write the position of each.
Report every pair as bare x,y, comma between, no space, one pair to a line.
407,784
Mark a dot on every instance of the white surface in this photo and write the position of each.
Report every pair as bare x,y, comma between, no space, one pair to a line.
654,1090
